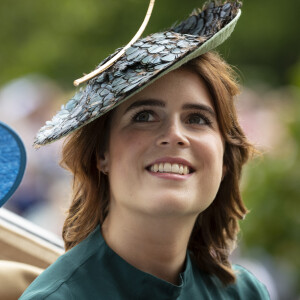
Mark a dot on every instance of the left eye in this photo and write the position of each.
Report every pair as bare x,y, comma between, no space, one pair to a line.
144,116
197,119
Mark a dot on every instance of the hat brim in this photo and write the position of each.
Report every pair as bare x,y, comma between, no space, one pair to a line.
144,62
12,162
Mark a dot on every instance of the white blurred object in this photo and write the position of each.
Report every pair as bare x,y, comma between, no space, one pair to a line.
25,242
22,96
25,104
262,274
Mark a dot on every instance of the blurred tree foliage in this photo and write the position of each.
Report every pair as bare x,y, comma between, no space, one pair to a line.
272,194
65,38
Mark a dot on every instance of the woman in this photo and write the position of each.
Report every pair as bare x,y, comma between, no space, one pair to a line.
156,197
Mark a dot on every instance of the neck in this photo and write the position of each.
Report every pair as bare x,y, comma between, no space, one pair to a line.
155,245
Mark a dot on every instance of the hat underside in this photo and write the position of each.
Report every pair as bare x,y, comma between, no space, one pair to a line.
144,62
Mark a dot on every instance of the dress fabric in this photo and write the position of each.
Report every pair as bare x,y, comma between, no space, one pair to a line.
92,271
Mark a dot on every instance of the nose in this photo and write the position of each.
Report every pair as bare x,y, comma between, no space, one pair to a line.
172,134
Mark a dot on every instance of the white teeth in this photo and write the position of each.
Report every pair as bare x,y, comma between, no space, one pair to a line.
181,169
161,167
175,168
170,168
185,170
167,167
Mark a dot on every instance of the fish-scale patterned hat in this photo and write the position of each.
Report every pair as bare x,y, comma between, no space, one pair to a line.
143,62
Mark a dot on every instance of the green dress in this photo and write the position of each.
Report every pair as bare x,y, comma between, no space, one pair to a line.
92,271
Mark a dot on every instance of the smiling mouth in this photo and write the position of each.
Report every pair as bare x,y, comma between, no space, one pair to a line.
170,168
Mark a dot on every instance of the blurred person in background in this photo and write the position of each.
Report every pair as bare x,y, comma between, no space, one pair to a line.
25,103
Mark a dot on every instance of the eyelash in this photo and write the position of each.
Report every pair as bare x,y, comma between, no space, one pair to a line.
135,115
206,120
203,117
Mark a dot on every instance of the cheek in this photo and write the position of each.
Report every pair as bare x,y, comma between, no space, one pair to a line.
126,164
127,148
210,157
209,152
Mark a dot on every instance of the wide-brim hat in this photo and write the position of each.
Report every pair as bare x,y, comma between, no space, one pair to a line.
12,162
144,62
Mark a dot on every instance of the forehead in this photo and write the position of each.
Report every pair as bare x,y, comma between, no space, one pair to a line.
175,88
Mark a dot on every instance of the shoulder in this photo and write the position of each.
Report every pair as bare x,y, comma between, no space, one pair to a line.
60,292
56,281
247,285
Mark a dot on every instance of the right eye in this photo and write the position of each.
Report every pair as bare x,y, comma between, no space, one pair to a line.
144,116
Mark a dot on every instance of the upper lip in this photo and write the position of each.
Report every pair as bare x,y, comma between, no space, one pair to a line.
172,160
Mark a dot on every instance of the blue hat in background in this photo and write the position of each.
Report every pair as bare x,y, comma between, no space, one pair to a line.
12,162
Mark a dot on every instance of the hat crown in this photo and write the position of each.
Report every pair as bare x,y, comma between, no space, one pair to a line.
209,20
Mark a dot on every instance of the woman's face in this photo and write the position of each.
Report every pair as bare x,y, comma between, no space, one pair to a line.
165,153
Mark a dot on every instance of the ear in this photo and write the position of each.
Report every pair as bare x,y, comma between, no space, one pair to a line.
102,163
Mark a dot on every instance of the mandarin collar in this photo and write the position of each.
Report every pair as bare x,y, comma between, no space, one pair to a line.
147,286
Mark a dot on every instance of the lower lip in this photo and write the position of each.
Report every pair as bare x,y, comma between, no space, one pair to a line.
170,176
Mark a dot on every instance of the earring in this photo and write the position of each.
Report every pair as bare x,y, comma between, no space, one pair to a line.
104,171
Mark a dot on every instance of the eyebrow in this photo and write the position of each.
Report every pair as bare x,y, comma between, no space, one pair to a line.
159,103
200,107
146,102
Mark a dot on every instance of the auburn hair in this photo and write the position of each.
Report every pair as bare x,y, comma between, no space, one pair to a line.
215,231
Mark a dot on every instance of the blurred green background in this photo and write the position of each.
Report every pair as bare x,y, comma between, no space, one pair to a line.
66,38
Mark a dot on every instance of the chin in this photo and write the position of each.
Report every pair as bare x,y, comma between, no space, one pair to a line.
167,205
